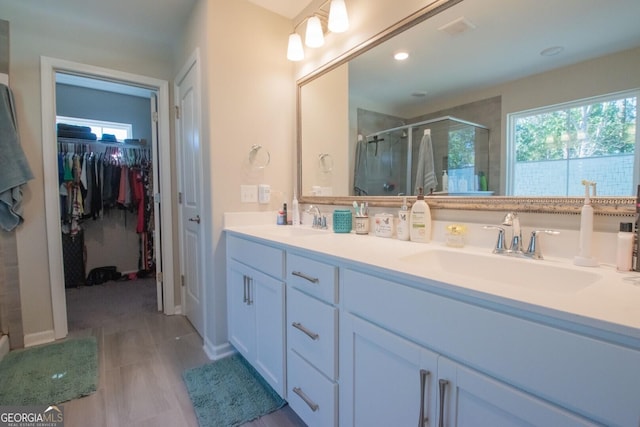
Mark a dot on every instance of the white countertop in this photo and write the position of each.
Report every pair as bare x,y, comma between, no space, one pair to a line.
609,306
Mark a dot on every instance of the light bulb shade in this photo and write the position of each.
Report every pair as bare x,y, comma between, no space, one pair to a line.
314,36
338,18
295,52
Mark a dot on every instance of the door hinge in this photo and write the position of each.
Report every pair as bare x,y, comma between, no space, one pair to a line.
182,280
177,112
159,276
155,116
180,197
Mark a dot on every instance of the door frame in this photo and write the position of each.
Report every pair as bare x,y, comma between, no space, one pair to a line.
192,63
162,157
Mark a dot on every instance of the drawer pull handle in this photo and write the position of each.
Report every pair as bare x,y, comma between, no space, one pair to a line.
310,334
443,387
245,281
305,277
423,382
314,406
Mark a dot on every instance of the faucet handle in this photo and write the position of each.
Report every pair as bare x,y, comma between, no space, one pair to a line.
534,250
500,248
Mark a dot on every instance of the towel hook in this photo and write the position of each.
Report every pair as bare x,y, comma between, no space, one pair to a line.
325,162
259,157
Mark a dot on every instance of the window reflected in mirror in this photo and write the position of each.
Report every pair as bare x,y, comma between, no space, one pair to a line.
552,149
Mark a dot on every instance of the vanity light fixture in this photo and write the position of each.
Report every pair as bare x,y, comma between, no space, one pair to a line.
337,22
295,51
338,18
314,36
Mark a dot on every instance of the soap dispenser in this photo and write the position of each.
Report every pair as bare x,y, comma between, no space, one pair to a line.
584,257
402,232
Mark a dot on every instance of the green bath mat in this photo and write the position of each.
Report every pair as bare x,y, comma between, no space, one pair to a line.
229,392
49,374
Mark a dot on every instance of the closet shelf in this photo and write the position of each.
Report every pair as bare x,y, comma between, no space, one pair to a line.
101,143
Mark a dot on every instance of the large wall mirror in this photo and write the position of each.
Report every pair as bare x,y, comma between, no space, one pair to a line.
474,67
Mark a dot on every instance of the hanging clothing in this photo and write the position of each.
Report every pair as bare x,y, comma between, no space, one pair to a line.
360,186
425,170
14,168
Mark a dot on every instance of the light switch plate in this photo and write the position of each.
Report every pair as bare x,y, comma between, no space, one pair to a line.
264,193
248,193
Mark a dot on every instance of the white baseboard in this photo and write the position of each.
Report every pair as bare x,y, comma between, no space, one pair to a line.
217,352
39,338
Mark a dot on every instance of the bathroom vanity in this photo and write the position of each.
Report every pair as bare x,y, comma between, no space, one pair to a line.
360,331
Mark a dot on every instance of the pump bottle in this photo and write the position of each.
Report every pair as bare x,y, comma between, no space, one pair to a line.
420,220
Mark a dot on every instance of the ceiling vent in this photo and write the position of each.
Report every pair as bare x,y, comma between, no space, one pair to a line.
457,26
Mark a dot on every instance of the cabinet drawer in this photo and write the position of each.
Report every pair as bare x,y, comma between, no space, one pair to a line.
314,277
261,257
312,331
312,396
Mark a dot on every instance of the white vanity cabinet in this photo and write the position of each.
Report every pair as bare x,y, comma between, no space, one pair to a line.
312,340
494,369
256,307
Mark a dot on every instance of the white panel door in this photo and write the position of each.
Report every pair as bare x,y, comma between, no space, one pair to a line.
190,151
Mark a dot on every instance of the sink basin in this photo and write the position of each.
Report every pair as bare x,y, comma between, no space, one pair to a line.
517,272
290,231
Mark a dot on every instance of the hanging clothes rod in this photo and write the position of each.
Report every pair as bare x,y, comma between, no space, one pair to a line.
427,122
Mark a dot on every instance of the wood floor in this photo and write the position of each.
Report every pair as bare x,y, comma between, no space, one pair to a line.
141,357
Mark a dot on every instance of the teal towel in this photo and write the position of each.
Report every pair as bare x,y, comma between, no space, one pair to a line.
14,168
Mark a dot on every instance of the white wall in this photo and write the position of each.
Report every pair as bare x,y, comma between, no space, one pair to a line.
34,35
248,98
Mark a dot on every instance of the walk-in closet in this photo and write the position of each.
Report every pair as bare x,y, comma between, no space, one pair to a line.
107,215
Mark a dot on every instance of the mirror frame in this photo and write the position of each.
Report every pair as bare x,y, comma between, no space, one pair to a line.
611,206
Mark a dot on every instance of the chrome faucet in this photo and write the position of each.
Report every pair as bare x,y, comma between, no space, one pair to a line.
515,249
319,221
512,220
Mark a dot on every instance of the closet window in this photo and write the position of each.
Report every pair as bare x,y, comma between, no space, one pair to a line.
121,131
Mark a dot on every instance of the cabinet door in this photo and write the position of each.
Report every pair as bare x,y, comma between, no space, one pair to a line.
470,398
240,312
267,298
386,379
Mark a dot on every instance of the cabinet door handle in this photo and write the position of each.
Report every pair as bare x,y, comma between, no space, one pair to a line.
305,277
314,406
244,284
443,388
423,383
249,290
309,333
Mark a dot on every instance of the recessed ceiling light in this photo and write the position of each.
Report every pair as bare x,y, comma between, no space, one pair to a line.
551,51
401,56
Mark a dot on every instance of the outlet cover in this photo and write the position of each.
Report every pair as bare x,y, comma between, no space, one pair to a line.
249,193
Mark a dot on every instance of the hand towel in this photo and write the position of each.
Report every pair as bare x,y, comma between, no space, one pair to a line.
425,170
360,186
14,168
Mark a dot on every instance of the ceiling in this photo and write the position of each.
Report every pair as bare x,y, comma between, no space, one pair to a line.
505,45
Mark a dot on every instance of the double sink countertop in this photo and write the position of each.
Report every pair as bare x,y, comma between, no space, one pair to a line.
596,301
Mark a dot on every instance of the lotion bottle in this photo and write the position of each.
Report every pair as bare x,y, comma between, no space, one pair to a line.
420,220
402,231
445,181
624,253
584,258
